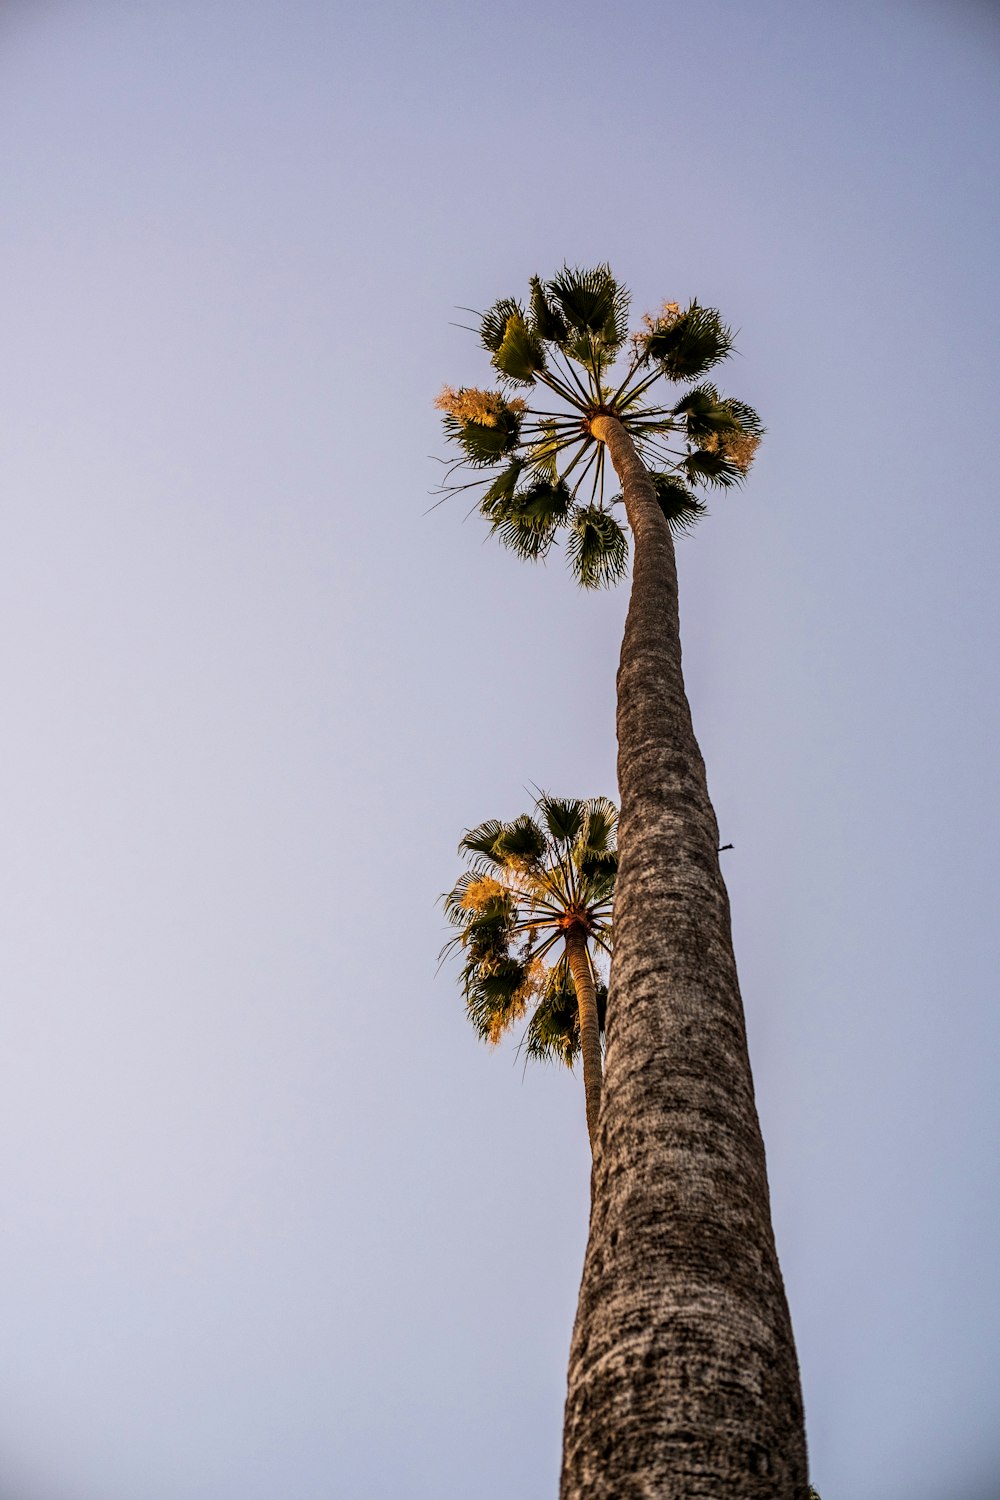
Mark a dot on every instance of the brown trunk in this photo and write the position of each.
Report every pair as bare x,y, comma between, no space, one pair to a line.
590,1034
683,1381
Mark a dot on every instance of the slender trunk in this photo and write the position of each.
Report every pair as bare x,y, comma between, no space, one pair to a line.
683,1381
590,1032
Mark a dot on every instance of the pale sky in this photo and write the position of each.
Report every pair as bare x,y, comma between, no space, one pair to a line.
275,1226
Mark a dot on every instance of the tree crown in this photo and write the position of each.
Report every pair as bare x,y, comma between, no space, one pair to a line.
544,470
528,885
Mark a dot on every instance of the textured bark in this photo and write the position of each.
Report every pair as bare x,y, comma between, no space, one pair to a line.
683,1380
590,1033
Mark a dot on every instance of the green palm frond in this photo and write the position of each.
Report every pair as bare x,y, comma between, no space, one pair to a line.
493,324
523,538
528,521
705,412
483,840
564,817
521,842
496,998
598,872
596,546
688,344
593,304
521,354
502,489
712,421
712,468
746,418
602,825
680,506
543,455
553,1033
485,446
545,319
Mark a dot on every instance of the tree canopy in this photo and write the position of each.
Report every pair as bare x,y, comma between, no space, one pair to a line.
539,469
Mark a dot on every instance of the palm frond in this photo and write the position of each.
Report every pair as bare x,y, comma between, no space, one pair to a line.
598,872
564,817
528,521
722,425
485,444
545,319
459,907
543,455
502,489
593,303
704,412
553,1033
520,536
483,840
596,547
521,354
748,420
704,467
602,825
521,842
493,324
681,508
497,997
686,344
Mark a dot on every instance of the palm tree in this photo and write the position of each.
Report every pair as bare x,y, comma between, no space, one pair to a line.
683,1379
531,910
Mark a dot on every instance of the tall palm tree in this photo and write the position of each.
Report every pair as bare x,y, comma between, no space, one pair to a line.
534,912
683,1379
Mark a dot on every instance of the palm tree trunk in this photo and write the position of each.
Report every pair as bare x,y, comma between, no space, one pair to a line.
590,1034
683,1380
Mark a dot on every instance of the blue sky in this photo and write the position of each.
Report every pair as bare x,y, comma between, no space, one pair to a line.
274,1223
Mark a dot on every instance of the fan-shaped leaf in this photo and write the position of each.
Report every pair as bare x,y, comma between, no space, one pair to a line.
564,817
521,842
748,420
545,319
553,1033
597,547
598,873
543,456
705,413
688,344
521,354
602,825
502,489
712,468
529,520
720,424
486,444
681,508
497,998
593,303
483,840
493,324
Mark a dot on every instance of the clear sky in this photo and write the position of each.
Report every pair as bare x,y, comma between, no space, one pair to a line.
274,1225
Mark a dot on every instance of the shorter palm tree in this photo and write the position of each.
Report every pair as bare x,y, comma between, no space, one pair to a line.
534,917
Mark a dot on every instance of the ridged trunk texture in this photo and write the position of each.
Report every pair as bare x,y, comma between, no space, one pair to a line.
683,1380
590,1033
